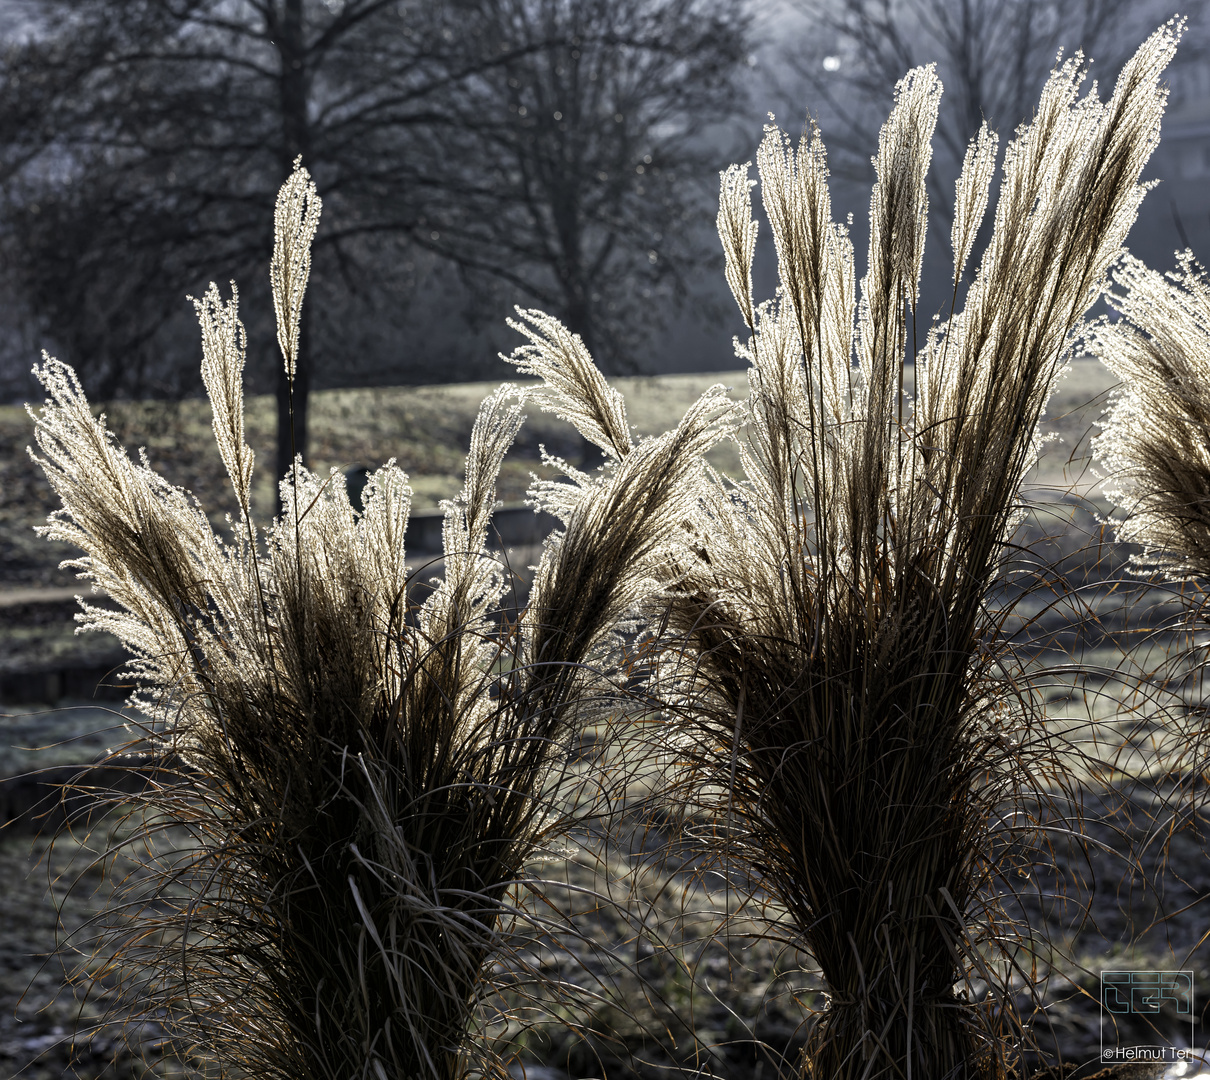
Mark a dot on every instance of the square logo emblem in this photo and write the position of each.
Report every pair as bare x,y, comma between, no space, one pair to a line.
1146,1016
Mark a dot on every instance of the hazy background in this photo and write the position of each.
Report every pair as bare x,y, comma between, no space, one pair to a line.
476,154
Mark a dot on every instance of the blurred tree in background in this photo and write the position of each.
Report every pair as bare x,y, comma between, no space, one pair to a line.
142,143
841,57
992,57
584,160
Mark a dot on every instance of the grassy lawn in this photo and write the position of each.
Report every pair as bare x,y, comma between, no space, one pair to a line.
426,428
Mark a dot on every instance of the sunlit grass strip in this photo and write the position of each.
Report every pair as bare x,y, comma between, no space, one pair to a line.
840,690
363,777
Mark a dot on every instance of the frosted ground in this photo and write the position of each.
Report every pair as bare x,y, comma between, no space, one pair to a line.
700,996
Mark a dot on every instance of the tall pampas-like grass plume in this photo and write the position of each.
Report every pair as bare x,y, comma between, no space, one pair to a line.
1155,438
356,779
831,643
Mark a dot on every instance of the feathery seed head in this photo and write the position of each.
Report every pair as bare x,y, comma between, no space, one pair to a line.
1155,439
898,226
737,229
224,350
971,192
573,386
294,223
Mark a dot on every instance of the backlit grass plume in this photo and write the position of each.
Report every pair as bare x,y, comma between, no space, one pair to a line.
1155,442
362,777
842,701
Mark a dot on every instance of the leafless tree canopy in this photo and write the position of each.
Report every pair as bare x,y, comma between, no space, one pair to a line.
143,143
581,157
992,55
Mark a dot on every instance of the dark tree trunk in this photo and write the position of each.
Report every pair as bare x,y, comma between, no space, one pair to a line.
579,318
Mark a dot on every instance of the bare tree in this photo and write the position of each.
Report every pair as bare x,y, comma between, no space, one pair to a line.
992,56
150,139
581,171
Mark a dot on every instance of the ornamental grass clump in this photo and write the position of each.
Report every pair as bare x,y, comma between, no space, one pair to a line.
837,638
361,776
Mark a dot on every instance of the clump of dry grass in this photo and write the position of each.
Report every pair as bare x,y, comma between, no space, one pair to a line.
362,777
841,696
1155,449
1155,439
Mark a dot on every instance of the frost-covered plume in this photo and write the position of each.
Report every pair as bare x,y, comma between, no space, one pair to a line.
295,220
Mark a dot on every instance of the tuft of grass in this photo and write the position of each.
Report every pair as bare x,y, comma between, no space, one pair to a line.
360,778
837,664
